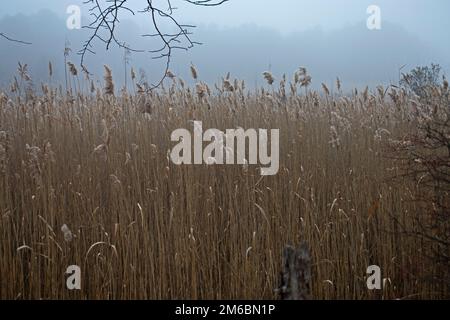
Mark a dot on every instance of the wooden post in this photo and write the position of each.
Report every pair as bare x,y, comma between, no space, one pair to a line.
296,274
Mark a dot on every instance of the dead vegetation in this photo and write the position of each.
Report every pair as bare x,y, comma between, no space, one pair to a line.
85,179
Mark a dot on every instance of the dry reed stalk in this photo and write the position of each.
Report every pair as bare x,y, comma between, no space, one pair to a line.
143,228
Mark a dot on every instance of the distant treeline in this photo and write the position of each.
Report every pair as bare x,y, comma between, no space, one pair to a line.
358,56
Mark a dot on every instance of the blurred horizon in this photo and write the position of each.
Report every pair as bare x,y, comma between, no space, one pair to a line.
331,40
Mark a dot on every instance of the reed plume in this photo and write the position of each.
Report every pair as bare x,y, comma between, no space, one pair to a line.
109,83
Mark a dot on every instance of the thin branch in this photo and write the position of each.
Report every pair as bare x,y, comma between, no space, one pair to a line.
106,19
13,40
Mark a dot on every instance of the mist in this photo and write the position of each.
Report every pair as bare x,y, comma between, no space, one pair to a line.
331,40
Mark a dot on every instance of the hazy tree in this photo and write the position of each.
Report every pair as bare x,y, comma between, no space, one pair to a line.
424,157
421,79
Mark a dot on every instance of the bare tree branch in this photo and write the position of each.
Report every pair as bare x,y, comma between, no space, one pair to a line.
105,15
12,40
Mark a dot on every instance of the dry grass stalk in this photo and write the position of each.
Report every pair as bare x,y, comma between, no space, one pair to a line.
109,83
144,228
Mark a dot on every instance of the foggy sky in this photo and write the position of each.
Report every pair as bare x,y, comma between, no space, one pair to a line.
247,37
418,16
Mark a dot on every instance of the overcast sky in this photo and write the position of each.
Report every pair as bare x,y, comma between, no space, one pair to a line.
420,16
429,20
413,32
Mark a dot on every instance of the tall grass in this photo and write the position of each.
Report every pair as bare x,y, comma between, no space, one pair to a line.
86,179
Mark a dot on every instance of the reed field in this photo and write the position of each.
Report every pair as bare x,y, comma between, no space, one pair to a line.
86,179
